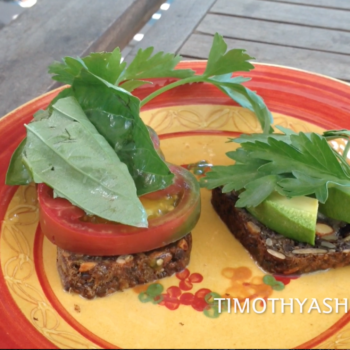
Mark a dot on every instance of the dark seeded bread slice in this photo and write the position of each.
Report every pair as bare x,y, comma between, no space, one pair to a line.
96,276
277,254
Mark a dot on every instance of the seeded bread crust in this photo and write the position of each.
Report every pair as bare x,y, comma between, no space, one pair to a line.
96,276
275,253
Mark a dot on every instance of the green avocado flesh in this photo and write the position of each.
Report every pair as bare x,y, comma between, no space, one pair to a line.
337,205
294,218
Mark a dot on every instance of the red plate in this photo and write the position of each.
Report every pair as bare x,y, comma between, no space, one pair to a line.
316,99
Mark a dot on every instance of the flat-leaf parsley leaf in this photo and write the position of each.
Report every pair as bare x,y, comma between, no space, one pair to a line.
291,164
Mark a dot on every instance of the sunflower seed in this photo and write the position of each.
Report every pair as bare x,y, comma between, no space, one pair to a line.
276,254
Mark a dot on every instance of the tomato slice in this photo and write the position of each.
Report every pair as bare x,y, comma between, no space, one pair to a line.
62,222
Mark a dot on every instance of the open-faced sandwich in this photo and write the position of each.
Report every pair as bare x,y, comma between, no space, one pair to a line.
118,213
287,199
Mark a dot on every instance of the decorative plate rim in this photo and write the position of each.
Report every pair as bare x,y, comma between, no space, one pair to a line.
53,92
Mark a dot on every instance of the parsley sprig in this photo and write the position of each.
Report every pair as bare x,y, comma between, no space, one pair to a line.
292,164
221,65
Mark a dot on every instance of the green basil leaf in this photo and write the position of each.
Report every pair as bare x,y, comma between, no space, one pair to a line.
115,114
66,152
17,173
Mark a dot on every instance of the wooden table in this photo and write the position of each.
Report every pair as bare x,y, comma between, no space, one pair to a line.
53,29
306,34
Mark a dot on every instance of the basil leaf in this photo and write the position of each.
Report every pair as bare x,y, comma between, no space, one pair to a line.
115,114
66,152
17,173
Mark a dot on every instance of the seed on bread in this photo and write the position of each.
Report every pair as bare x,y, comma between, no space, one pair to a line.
309,251
87,266
124,259
331,238
109,274
323,229
328,245
276,254
183,244
253,228
330,250
269,242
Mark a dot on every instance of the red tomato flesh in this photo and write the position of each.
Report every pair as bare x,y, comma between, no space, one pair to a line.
63,224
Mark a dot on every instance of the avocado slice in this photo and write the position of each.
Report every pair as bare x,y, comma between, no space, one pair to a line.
337,205
294,218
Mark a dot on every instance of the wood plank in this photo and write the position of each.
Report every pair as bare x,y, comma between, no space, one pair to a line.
276,33
9,10
171,31
131,21
337,4
330,64
285,13
54,29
